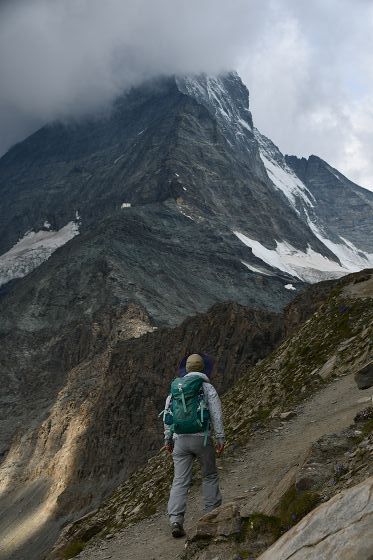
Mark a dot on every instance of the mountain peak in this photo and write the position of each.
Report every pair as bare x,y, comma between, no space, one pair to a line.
227,98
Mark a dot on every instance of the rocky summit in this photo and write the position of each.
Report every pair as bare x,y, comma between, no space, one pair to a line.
166,224
174,178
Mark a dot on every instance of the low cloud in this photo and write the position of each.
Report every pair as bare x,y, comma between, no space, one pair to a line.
307,65
62,58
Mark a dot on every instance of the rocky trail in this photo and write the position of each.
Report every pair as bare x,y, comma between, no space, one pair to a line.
249,476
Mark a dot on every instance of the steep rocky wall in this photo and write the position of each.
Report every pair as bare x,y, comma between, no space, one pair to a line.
99,420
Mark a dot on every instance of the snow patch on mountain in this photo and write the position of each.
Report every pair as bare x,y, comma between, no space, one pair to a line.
186,215
350,257
282,177
245,124
256,269
308,266
33,249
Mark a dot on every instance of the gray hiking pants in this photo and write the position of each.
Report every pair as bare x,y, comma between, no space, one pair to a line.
186,448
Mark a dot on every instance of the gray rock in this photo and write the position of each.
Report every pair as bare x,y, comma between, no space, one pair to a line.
323,456
364,377
340,528
312,475
287,415
223,521
327,369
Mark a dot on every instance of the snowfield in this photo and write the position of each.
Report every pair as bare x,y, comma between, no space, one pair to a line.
308,266
282,177
351,258
32,250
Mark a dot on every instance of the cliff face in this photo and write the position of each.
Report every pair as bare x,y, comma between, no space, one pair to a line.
78,437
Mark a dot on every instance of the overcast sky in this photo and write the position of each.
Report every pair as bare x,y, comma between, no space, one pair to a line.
307,63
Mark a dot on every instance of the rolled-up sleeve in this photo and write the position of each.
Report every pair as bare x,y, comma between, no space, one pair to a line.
215,409
167,428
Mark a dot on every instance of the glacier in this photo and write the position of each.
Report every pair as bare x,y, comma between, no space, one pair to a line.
33,249
308,266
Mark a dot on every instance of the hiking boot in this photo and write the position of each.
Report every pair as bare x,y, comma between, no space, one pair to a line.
177,530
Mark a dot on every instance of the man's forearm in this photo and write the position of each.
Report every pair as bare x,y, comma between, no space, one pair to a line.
216,414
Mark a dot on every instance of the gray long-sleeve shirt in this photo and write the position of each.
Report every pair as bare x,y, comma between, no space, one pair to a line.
214,406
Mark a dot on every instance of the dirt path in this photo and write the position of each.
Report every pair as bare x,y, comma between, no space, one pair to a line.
266,458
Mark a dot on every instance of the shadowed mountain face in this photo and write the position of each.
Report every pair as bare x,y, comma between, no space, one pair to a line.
92,418
167,141
164,153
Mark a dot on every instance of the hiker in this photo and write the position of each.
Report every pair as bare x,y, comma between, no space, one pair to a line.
191,408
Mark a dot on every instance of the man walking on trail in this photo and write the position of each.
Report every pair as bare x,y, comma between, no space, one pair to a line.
192,407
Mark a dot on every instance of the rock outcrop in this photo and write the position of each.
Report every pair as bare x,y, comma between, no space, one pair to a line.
224,521
364,377
341,528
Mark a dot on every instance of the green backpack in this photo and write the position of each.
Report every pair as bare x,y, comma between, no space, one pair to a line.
188,413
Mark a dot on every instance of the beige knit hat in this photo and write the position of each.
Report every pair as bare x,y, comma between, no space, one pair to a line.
195,363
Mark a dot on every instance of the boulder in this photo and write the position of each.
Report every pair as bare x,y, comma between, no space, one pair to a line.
327,369
312,475
222,521
340,528
364,377
287,415
321,459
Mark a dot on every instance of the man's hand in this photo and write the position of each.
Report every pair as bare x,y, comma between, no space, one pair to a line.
168,446
220,448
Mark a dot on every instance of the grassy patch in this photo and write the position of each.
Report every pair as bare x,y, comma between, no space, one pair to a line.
262,413
73,549
294,505
244,554
258,524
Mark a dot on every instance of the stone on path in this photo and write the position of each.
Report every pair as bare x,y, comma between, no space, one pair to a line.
287,415
222,521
